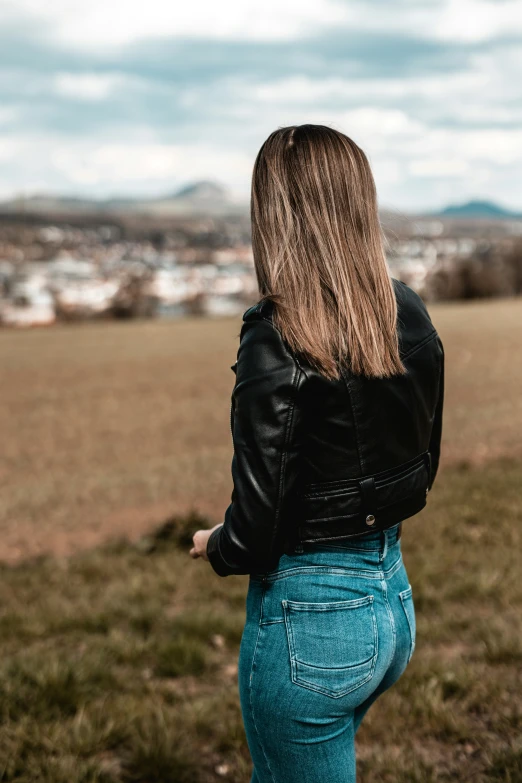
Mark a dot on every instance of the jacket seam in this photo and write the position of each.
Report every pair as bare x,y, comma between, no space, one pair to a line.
291,402
355,427
284,453
291,354
416,347
297,370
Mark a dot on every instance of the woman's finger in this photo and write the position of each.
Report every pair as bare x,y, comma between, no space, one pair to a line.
193,553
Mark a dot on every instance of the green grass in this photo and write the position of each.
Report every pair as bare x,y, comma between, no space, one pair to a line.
118,664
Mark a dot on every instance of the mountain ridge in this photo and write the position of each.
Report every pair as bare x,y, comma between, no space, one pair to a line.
211,198
477,208
202,197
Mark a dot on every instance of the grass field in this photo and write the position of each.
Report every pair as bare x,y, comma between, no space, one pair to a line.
119,652
109,428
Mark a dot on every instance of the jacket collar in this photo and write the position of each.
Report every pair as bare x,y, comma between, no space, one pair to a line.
262,309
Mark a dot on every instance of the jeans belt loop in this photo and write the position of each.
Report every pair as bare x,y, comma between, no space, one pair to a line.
384,552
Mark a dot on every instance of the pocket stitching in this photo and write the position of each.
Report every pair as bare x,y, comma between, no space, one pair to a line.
367,600
325,691
307,606
335,668
404,595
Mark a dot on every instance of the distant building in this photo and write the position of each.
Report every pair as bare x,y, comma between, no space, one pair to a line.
29,304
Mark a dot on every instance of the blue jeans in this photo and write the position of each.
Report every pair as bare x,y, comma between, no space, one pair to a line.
326,632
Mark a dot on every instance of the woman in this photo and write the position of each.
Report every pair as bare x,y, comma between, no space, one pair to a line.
336,423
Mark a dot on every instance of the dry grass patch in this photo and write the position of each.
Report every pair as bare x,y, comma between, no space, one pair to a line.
108,428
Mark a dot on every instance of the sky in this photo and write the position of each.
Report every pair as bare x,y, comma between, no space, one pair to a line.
140,98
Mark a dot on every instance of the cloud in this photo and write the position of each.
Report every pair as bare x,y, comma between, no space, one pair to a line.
98,24
44,163
477,20
135,163
122,98
88,86
439,167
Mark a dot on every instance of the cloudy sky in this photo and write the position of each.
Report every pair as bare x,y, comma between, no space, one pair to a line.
111,97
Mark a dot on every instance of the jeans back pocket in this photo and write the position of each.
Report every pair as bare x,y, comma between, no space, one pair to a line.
409,610
333,646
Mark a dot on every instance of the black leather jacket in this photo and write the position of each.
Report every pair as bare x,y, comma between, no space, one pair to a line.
320,460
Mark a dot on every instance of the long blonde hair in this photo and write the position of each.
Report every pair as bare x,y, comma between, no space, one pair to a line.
319,253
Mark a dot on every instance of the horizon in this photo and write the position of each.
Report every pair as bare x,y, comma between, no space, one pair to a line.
242,199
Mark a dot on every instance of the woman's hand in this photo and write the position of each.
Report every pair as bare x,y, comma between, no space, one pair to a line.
200,539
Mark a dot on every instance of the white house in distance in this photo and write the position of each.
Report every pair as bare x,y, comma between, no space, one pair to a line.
78,287
30,302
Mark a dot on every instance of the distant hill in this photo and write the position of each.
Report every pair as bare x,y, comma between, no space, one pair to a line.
477,209
197,198
201,191
209,198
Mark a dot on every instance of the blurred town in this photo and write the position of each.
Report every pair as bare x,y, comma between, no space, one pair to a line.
190,254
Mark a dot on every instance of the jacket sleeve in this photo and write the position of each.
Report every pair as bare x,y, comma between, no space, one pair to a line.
436,431
265,466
